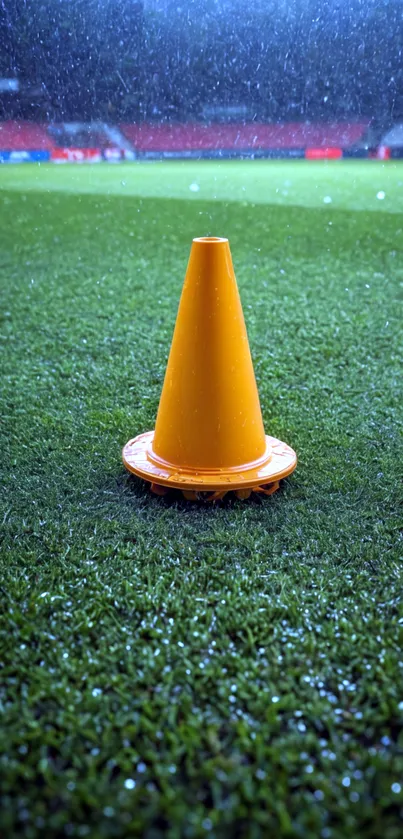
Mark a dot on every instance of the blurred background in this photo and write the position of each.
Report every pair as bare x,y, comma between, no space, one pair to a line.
206,62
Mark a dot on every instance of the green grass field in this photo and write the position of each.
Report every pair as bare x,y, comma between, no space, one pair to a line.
170,669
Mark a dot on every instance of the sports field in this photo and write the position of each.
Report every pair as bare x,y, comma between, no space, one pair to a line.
170,669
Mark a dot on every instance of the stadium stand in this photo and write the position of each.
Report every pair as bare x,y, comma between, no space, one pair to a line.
253,136
79,135
394,137
24,136
79,142
391,143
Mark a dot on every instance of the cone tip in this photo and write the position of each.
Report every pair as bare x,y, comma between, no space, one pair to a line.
210,240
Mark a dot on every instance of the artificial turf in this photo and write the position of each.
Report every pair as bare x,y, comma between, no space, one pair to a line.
184,670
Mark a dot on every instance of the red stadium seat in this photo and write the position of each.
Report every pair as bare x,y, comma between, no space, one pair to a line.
195,137
24,136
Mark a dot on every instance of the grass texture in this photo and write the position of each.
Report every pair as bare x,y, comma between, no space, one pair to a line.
169,669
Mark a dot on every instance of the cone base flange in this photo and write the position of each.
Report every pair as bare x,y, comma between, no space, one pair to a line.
217,495
281,460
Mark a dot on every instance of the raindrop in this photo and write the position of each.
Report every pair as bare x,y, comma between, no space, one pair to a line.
130,783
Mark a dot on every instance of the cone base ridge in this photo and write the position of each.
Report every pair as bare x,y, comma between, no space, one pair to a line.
278,462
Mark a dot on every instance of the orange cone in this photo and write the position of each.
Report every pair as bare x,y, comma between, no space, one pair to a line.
209,434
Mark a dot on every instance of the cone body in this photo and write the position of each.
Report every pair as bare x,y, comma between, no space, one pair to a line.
209,415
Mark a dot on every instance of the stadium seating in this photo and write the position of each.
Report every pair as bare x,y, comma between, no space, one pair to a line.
195,137
79,136
93,141
24,136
